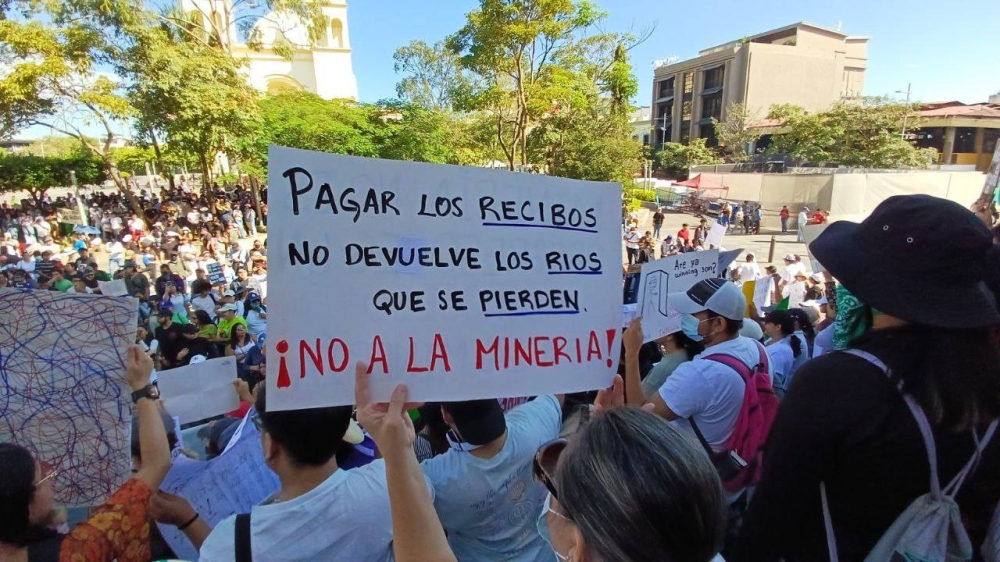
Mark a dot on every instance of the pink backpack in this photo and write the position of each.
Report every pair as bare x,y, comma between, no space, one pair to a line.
760,405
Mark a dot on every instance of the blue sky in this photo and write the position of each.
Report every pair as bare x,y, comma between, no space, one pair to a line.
942,48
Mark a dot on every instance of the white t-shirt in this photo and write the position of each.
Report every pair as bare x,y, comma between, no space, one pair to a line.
632,240
749,271
490,507
803,219
194,217
788,275
255,324
709,391
206,303
115,250
346,517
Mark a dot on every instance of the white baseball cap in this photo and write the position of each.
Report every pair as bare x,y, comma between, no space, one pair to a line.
717,295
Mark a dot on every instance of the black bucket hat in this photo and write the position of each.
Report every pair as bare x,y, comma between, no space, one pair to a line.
916,257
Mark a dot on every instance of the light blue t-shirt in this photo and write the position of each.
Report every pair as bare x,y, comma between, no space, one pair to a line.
782,357
489,507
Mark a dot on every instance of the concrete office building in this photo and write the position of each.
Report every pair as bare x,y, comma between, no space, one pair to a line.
801,64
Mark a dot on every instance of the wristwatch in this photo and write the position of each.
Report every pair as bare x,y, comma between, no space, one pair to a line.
149,391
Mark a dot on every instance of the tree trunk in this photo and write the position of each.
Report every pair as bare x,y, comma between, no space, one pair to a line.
206,181
255,201
159,160
133,201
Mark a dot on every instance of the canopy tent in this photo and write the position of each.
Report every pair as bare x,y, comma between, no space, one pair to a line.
699,182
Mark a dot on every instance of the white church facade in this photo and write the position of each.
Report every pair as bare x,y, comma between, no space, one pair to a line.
323,68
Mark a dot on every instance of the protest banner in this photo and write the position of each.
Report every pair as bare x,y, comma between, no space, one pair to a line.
462,282
113,288
762,293
231,483
716,234
199,391
670,275
64,393
215,275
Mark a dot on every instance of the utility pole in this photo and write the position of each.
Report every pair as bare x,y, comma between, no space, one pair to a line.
907,114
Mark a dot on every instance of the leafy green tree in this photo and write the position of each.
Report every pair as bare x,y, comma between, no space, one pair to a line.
36,174
513,48
587,135
861,133
433,76
305,120
56,146
736,132
50,51
677,158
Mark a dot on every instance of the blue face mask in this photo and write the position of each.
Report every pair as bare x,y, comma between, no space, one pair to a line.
543,524
689,325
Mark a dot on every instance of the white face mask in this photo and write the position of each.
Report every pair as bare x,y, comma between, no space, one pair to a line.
454,440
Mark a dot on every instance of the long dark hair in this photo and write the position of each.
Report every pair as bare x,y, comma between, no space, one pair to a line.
784,320
683,517
953,374
805,323
17,487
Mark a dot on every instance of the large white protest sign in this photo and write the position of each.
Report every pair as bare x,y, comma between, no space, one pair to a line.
763,292
461,282
231,483
716,234
670,275
113,288
199,391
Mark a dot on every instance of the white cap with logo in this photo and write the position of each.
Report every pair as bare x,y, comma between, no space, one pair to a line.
717,295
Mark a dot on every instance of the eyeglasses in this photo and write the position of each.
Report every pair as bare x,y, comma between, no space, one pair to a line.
49,472
545,461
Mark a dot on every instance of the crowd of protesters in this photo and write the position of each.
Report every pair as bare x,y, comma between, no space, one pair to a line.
817,428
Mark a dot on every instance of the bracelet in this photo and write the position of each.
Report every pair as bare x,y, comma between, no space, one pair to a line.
188,524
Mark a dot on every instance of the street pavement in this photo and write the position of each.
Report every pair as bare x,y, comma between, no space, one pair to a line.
757,244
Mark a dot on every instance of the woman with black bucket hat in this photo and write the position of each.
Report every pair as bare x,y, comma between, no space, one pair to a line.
922,339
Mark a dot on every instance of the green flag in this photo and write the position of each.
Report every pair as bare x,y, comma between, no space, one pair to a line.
783,305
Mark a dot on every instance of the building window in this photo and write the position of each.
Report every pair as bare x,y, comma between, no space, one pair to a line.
686,110
661,121
711,106
928,137
665,88
688,85
337,33
990,138
965,140
645,139
714,78
685,132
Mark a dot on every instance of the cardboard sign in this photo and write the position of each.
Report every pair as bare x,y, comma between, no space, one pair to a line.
670,275
716,234
215,275
461,282
200,391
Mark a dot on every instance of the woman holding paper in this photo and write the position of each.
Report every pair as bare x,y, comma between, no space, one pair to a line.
118,529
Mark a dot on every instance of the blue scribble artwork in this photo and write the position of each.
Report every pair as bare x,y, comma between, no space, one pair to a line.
62,389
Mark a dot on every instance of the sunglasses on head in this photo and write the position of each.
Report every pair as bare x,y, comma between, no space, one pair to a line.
545,461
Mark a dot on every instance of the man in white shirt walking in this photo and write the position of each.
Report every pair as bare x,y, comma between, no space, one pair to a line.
632,245
803,219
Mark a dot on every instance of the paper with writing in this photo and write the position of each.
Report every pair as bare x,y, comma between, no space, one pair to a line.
113,288
670,275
